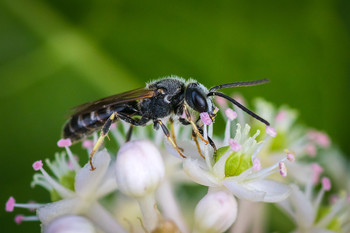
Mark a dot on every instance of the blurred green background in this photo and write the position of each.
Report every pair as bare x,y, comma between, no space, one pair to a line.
56,54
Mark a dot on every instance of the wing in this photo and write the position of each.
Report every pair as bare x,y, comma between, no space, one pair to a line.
121,98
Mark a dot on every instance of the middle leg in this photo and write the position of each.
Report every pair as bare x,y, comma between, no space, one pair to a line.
167,134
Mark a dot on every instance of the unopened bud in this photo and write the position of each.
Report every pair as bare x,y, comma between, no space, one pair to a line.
216,212
70,223
139,168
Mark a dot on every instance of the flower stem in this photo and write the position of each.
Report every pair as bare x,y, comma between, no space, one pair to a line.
149,211
168,203
104,220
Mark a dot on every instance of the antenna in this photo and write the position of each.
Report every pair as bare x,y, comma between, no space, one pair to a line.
239,84
212,93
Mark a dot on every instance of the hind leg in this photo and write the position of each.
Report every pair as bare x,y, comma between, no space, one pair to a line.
107,126
104,133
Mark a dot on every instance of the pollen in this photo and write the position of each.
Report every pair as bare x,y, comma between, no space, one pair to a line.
235,146
37,165
88,144
206,118
290,155
64,142
256,164
326,183
317,170
19,218
281,116
10,204
283,169
230,114
271,131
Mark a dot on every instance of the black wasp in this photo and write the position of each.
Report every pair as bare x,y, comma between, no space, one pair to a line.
161,100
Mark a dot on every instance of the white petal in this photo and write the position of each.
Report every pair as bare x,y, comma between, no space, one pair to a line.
108,184
198,174
87,181
260,190
56,209
304,211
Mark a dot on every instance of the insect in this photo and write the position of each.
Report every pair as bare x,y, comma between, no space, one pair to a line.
160,101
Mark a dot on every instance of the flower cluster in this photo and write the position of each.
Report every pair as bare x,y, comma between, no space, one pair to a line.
142,188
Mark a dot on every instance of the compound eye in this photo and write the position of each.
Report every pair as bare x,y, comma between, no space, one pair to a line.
199,102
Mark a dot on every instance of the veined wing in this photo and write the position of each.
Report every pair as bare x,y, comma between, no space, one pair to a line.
121,98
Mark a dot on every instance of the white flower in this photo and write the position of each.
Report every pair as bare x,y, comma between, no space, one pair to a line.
233,168
147,176
215,212
139,168
305,208
139,172
89,187
174,173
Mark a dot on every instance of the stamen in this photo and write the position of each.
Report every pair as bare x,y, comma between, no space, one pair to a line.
267,171
317,170
19,218
271,131
326,186
88,144
37,165
205,118
230,114
290,155
310,149
235,146
227,132
283,169
62,191
323,140
326,183
71,165
221,102
320,138
72,159
256,164
64,142
10,204
335,209
34,206
281,115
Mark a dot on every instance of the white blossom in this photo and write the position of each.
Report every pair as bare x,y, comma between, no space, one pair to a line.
247,183
215,212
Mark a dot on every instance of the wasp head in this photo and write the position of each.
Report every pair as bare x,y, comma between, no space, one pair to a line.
196,98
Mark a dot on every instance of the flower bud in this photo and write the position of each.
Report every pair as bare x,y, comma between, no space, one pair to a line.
70,224
139,168
216,212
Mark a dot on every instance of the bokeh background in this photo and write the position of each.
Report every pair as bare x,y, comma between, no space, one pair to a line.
55,54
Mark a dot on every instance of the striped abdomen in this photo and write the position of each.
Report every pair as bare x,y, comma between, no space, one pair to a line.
80,126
